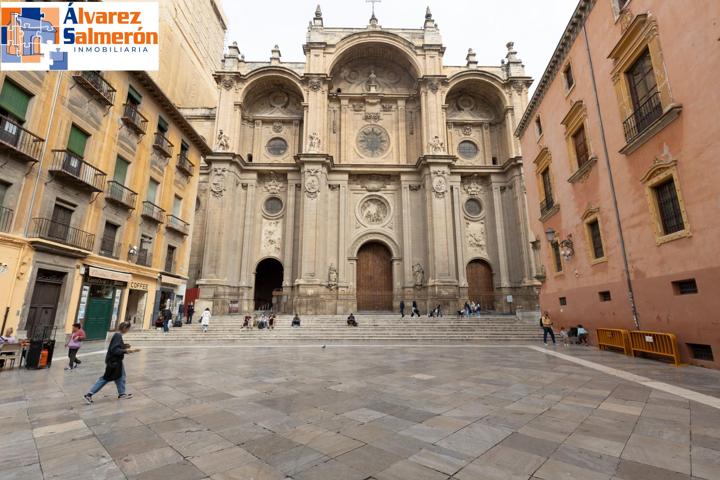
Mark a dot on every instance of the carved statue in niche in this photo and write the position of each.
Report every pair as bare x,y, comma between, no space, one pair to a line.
418,274
361,76
332,277
436,145
314,142
371,83
223,142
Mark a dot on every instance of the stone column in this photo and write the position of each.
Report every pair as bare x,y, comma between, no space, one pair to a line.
441,251
344,130
314,194
342,228
247,242
288,236
257,141
432,114
459,233
500,231
487,144
406,234
402,136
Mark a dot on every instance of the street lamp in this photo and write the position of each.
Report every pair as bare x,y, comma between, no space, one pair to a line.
550,234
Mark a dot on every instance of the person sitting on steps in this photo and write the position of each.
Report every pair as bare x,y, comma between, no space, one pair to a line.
351,321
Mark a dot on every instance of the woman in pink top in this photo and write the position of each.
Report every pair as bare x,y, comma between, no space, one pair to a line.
76,337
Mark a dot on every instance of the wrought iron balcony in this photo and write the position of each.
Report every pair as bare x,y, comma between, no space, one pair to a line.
48,229
70,167
134,120
19,141
6,219
152,212
144,258
97,86
546,205
175,223
649,111
110,248
184,164
163,145
119,194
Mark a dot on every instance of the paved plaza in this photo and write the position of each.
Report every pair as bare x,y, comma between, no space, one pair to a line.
465,412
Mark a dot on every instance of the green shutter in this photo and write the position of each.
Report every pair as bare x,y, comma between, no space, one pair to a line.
14,100
177,203
152,191
3,191
162,125
77,141
134,95
121,168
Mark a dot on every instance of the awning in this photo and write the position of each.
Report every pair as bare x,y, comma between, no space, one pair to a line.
172,280
109,274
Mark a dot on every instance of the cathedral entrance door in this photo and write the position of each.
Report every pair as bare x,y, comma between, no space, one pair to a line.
374,278
480,284
268,278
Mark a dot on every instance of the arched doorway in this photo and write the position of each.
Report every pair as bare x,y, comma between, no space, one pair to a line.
268,277
374,278
480,284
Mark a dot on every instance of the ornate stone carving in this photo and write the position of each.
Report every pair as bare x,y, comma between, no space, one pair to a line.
374,211
439,182
217,184
272,185
277,127
387,107
314,143
373,141
476,237
332,277
372,81
436,145
414,187
315,84
467,130
312,182
374,183
473,187
434,86
334,186
223,142
418,275
358,106
372,117
228,83
271,238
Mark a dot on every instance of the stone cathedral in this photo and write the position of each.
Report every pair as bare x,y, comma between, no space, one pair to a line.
369,174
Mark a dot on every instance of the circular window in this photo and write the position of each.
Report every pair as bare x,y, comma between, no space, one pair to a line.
277,146
473,207
467,149
273,205
373,141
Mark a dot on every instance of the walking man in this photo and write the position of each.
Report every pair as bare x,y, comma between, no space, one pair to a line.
181,312
166,317
414,310
402,308
190,312
114,369
546,323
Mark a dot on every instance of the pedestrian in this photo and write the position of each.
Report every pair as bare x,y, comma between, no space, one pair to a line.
351,321
582,335
295,321
414,310
114,369
466,307
205,320
271,321
564,336
73,345
546,324
181,312
166,318
402,308
190,312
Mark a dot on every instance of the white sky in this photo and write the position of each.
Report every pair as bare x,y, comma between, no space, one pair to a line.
485,25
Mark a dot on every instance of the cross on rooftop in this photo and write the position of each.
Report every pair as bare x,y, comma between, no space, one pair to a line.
373,5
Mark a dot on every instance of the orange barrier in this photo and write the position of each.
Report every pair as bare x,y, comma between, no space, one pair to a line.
664,344
613,338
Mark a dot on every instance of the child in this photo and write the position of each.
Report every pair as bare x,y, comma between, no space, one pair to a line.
205,320
73,345
582,335
564,336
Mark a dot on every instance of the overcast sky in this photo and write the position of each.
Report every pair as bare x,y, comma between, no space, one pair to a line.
485,25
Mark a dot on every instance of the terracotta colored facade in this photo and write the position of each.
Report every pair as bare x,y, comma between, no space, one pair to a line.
647,103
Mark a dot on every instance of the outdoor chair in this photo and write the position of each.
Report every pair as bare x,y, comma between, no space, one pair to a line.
9,353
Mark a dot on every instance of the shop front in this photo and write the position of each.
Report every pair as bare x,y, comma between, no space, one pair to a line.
140,299
170,295
100,301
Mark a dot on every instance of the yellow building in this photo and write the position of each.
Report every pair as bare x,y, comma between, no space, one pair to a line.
98,181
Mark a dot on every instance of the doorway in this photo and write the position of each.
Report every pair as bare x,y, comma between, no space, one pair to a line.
374,278
43,305
480,284
99,310
268,278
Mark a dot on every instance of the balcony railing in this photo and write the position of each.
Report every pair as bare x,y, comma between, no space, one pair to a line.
163,145
184,164
19,141
96,86
70,167
119,194
6,219
134,120
110,248
144,257
48,229
152,212
649,111
175,223
546,205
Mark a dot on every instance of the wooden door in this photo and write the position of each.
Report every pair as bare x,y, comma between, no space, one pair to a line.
43,305
374,278
480,284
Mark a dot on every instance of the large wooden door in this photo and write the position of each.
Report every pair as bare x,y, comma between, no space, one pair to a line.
480,284
374,278
43,305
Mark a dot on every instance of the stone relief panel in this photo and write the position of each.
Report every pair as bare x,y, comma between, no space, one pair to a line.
373,75
371,183
279,103
476,239
271,238
470,107
374,211
373,141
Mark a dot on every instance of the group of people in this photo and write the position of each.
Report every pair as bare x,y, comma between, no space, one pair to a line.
579,333
414,310
166,316
266,321
470,308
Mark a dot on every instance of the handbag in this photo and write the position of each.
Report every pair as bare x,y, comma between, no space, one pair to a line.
113,370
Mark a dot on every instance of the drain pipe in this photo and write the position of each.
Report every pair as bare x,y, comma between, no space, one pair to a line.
42,153
623,250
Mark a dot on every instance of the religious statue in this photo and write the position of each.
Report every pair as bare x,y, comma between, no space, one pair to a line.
419,274
332,277
436,145
314,143
372,83
223,142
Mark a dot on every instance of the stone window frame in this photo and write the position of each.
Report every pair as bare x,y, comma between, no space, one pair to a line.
617,9
555,245
277,155
575,119
641,34
473,142
539,132
267,214
659,172
543,162
592,215
568,88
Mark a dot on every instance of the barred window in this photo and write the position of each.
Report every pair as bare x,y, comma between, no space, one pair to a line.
669,207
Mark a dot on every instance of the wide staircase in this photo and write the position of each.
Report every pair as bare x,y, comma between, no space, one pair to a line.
329,329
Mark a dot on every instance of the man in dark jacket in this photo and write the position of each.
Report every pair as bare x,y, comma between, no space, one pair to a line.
114,369
402,308
190,313
166,316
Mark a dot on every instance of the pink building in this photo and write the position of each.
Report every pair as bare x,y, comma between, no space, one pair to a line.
621,142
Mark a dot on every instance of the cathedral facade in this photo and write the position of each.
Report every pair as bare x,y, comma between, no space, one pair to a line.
367,175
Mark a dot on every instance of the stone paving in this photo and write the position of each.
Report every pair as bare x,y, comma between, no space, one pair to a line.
357,413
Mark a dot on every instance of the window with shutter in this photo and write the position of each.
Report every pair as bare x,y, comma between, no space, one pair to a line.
14,101
77,141
133,96
121,168
152,191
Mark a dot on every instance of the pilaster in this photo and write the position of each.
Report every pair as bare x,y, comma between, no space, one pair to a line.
500,232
